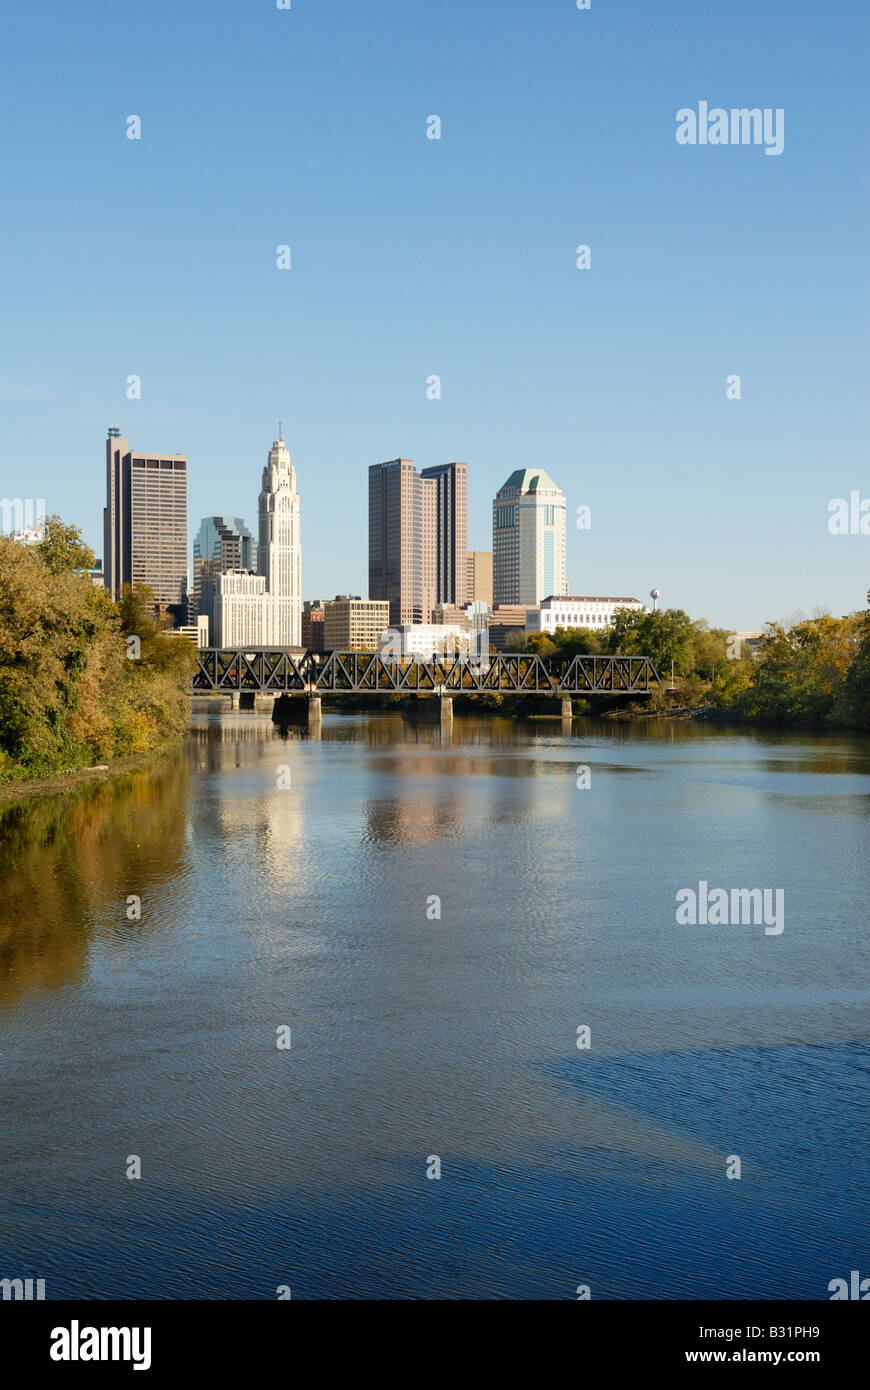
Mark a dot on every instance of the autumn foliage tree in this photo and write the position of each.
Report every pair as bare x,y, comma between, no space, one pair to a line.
69,694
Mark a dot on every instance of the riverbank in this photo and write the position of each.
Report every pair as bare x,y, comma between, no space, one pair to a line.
73,780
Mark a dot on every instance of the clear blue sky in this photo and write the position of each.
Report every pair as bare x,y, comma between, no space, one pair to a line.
413,257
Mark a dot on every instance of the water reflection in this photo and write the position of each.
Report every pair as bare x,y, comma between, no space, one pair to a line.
285,880
68,864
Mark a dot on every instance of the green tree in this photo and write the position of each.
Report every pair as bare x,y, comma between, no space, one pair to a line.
803,673
62,548
666,635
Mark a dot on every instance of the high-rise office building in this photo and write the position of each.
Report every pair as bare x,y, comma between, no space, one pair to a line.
451,531
417,537
528,539
145,523
402,527
222,544
265,609
280,546
479,572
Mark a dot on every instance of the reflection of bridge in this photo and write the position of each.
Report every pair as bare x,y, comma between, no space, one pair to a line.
281,672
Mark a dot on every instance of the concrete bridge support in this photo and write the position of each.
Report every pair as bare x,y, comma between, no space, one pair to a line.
567,708
315,711
446,714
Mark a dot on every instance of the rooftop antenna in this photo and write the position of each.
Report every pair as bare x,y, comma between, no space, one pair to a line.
281,431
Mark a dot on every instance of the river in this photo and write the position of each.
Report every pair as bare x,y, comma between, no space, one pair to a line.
433,917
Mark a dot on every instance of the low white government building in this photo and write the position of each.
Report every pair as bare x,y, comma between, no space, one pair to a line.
577,610
425,640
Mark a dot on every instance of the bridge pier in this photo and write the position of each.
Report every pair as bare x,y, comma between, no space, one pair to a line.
315,711
567,709
446,713
287,709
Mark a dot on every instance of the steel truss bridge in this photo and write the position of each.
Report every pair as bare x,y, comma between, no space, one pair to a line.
281,672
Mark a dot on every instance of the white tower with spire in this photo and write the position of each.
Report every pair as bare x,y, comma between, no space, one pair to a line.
265,609
280,549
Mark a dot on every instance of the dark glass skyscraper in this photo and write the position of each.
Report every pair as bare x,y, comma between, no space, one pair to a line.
451,531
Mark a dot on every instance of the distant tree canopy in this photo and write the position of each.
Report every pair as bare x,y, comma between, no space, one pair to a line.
665,636
817,670
69,694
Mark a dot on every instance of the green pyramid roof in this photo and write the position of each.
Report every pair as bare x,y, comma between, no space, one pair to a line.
530,480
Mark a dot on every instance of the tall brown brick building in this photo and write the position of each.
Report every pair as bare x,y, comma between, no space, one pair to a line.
417,537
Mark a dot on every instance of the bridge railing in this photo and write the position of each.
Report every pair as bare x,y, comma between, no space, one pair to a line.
280,671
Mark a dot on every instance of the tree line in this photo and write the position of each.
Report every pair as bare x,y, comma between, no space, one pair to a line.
815,670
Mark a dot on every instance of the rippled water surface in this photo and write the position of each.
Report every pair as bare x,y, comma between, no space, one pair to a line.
310,906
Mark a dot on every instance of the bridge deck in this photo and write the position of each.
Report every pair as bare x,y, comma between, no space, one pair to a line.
279,672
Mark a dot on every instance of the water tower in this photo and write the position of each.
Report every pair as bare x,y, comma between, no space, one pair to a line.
655,595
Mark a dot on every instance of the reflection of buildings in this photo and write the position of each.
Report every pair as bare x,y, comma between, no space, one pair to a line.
431,788
258,826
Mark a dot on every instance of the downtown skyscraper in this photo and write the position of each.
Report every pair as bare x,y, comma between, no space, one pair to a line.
417,537
145,523
265,609
528,539
280,544
451,531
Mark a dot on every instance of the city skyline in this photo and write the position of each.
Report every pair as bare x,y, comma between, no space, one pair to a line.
461,264
436,492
